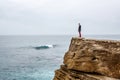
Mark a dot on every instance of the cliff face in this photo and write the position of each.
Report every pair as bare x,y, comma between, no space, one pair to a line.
89,59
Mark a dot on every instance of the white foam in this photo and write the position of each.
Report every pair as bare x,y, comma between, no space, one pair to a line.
50,46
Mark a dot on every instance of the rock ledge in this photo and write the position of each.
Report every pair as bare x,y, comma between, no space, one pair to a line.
89,59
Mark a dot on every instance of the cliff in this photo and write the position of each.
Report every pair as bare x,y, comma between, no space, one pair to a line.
89,59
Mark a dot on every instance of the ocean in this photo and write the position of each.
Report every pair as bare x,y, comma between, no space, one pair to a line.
35,57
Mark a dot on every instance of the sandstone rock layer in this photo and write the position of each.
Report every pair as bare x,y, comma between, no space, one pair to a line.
89,59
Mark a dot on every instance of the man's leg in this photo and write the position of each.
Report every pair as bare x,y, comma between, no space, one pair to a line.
79,34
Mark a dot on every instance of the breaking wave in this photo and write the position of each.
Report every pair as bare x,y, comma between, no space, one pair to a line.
45,46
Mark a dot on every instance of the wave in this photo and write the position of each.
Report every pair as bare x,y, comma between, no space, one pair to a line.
44,46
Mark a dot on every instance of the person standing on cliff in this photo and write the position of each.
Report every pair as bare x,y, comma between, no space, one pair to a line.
79,30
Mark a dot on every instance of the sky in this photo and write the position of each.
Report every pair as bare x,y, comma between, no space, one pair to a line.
59,17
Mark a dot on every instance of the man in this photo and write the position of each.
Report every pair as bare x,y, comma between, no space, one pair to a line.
79,30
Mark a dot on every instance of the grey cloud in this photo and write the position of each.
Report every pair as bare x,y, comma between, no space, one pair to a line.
59,17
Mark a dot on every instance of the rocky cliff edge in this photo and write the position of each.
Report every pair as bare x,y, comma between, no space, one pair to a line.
89,59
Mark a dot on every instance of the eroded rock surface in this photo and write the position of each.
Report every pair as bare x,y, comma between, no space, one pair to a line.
89,59
65,74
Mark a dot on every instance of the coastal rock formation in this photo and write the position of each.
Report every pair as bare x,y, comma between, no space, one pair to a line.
89,59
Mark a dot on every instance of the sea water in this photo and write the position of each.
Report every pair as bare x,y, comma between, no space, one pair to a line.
34,57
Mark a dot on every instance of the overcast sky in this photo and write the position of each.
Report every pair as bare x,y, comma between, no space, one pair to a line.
47,17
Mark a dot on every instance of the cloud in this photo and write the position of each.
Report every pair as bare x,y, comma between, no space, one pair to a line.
59,17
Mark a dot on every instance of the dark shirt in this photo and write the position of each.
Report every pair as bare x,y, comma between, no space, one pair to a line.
79,28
